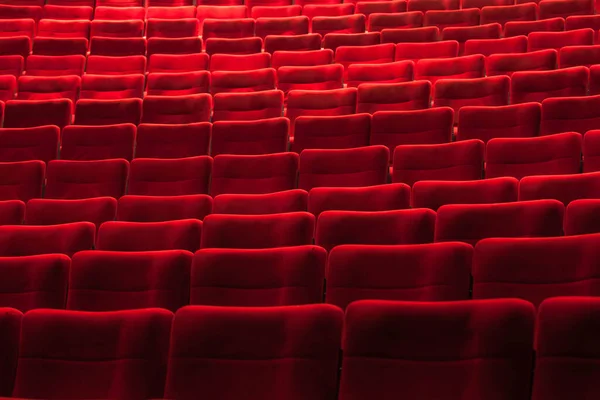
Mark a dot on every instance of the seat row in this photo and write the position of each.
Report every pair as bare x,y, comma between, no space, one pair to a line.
154,353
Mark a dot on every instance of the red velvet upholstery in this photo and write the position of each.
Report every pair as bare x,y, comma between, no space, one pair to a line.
112,87
53,343
321,102
15,27
581,22
565,188
10,323
296,346
12,212
124,65
413,226
327,10
535,269
516,44
286,201
472,222
48,87
23,144
177,109
545,155
507,64
147,279
557,40
20,12
222,12
273,43
108,112
394,196
573,114
185,45
234,46
19,45
275,11
264,136
67,12
424,34
173,140
117,47
172,28
254,174
434,194
8,87
525,27
258,231
22,180
417,51
55,65
423,272
451,18
334,40
53,46
293,25
30,282
243,81
126,28
394,72
450,68
11,65
486,123
67,179
486,3
177,62
331,132
342,24
552,9
179,83
258,277
401,20
463,34
375,54
21,240
283,58
98,142
379,7
63,29
96,210
109,12
426,5
163,208
591,151
485,348
318,77
373,97
582,217
239,62
231,28
247,106
459,161
171,11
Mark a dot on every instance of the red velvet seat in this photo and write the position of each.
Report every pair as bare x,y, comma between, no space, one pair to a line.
293,200
263,136
486,123
134,208
565,188
247,106
539,85
404,96
81,142
331,132
108,111
570,114
24,144
22,240
96,210
22,180
173,141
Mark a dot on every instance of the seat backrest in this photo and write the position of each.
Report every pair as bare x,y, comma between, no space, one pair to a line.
22,240
134,208
257,204
96,210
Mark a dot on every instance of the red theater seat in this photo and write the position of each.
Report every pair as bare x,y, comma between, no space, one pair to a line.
66,179
395,196
126,337
247,106
96,210
334,40
406,20
97,142
174,63
55,65
375,54
451,18
273,43
22,240
466,67
342,24
247,45
545,155
223,12
557,40
63,29
319,77
163,208
373,97
8,87
283,58
311,335
293,25
31,113
119,29
17,27
497,333
281,11
486,3
426,5
395,227
108,12
22,180
178,84
52,46
572,56
464,33
486,123
254,174
286,201
67,12
507,64
20,12
426,272
458,161
13,65
487,47
171,11
32,282
12,212
434,194
565,8
539,85
582,217
570,114
48,87
107,87
242,62
258,231
172,28
594,88
417,51
173,141
108,111
582,21
591,151
327,10
393,72
24,144
149,279
177,109
517,28
228,28
565,188
471,223
320,102
379,7
10,319
117,47
264,136
331,132
19,45
243,81
279,277
163,45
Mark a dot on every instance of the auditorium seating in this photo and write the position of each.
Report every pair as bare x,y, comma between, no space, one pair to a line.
163,208
53,212
286,201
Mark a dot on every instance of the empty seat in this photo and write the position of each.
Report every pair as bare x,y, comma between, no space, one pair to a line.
54,46
594,87
152,279
173,141
178,84
177,109
497,333
565,188
557,40
434,194
96,210
108,12
486,123
517,28
320,102
22,180
395,72
66,338
450,68
570,114
535,269
20,45
378,7
247,45
48,87
22,240
273,43
327,10
362,166
150,236
572,56
67,12
417,51
30,113
13,65
97,142
8,87
331,132
485,3
173,63
591,151
459,161
243,81
486,47
55,65
582,217
117,47
312,340
581,22
18,27
247,106
507,64
282,58
10,320
172,28
232,11
462,34
280,277
20,12
258,231
376,54
241,62
254,174
123,29
108,111
275,11
427,272
564,9
334,40
12,212
264,136
373,97
407,20
163,208
507,13
228,28
112,87
33,282
472,222
342,24
168,177
295,25
394,196
257,204
164,45
23,144
545,155
63,28
394,227
67,179
394,128
319,77
451,18
426,5
538,85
